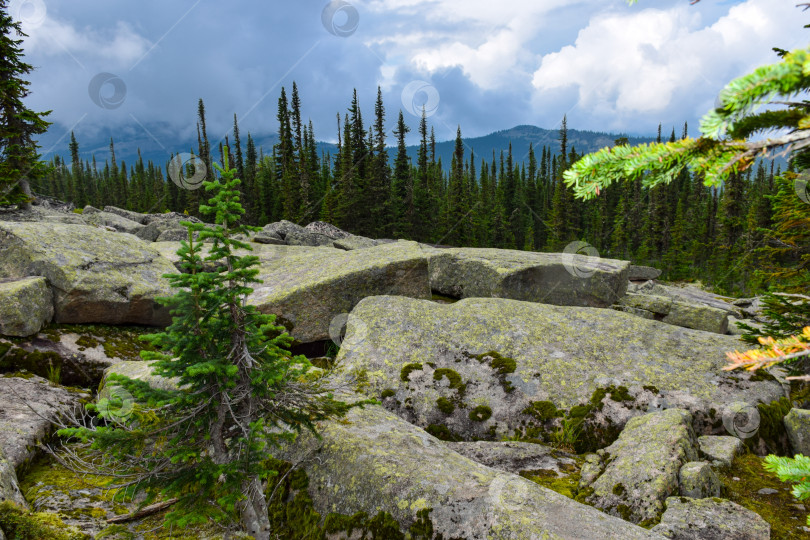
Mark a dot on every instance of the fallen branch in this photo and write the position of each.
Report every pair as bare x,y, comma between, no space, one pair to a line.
143,512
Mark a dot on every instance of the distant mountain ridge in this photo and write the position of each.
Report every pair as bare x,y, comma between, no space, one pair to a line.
154,144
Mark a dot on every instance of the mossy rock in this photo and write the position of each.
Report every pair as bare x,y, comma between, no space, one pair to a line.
97,276
21,524
528,276
509,354
85,503
375,462
742,483
311,286
26,305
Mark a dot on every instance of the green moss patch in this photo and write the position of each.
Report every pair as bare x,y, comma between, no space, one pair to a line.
117,341
542,410
46,479
771,426
445,405
407,369
42,363
780,509
20,524
481,413
293,515
502,366
442,433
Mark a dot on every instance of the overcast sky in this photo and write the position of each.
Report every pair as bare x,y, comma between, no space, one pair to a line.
483,64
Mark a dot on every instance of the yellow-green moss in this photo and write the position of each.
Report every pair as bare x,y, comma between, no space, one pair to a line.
293,515
20,524
567,484
388,392
778,509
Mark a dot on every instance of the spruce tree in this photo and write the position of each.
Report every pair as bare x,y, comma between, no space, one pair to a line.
379,185
19,160
401,227
458,225
239,392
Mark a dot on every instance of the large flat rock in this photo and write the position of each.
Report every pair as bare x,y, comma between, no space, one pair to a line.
26,305
96,275
374,461
550,278
697,316
79,353
27,406
309,287
486,368
115,221
516,456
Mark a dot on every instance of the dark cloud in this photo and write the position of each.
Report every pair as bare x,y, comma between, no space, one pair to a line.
237,55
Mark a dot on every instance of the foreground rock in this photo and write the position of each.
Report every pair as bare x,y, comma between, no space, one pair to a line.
665,309
309,287
26,305
642,273
710,519
96,276
376,462
27,407
797,424
9,487
698,480
487,368
516,457
640,470
549,278
76,355
689,294
115,221
720,450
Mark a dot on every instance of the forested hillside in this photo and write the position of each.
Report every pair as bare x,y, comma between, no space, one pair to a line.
513,200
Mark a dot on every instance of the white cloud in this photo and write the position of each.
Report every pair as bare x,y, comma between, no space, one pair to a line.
117,47
645,61
486,39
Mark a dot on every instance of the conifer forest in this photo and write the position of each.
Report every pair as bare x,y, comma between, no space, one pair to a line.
514,200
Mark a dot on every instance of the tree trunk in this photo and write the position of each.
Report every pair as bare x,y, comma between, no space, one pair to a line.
26,189
253,510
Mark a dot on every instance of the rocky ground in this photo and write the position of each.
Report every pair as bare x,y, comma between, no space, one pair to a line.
522,395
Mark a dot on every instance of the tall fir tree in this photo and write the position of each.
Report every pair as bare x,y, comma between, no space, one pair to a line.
19,160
